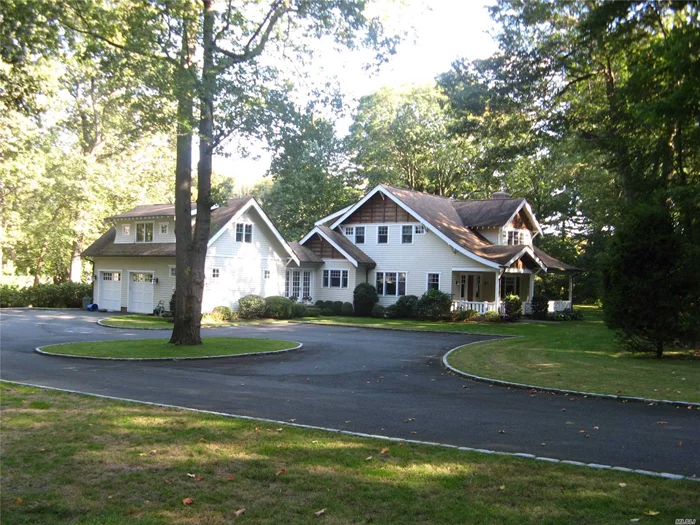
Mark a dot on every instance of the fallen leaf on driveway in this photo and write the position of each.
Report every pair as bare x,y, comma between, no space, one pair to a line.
239,512
281,471
292,420
623,485
320,512
652,513
187,501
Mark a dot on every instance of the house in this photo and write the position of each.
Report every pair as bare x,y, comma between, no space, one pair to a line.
134,261
405,242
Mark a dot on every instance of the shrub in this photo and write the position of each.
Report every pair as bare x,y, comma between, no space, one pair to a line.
221,313
464,315
278,307
327,312
471,315
251,307
316,312
513,307
566,315
539,305
66,295
434,304
406,306
337,307
328,305
346,309
299,310
319,303
364,297
492,317
378,311
392,312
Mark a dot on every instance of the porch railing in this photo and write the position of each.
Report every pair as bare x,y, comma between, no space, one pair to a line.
480,307
553,306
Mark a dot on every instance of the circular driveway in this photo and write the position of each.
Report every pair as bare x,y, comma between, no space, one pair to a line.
363,380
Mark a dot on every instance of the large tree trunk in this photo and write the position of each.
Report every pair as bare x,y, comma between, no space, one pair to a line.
186,330
76,262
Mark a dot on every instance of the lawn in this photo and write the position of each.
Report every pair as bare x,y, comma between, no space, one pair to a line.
571,355
68,458
151,322
152,348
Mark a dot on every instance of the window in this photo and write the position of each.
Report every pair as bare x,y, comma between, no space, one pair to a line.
391,283
164,228
306,286
266,274
244,232
516,237
349,231
335,279
419,229
111,276
295,284
214,273
144,232
172,271
407,235
433,281
127,229
359,235
286,284
382,234
510,285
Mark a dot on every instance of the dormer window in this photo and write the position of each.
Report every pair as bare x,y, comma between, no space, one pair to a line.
244,232
164,228
127,229
516,237
144,232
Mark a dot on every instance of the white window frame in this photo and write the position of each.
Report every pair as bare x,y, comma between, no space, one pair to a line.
408,227
419,229
398,282
245,226
349,231
216,273
126,230
172,271
427,280
326,281
136,232
167,228
387,233
266,274
516,285
364,234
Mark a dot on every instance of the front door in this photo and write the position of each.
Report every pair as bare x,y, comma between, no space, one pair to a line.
141,293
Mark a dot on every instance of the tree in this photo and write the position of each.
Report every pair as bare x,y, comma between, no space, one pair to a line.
310,175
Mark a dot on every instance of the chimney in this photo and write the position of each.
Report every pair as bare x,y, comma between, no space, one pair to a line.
500,195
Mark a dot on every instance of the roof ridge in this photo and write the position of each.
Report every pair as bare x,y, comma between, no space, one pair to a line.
451,199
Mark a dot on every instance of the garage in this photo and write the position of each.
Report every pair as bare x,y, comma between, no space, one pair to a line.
110,293
140,292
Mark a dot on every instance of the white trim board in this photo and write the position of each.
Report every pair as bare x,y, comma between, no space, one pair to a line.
331,242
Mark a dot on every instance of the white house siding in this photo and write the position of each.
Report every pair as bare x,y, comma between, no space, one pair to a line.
158,237
427,254
492,234
162,291
319,293
242,265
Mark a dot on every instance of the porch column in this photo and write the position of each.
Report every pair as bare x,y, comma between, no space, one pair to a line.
497,287
571,290
532,286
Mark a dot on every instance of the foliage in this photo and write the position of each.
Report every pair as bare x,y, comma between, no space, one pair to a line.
346,309
364,298
328,312
492,317
221,313
378,311
391,312
513,307
278,307
406,306
337,307
646,286
464,315
566,315
172,302
540,307
300,310
319,303
251,307
434,304
66,295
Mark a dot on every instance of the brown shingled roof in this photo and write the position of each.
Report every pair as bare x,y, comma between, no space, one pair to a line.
554,264
304,254
146,210
347,246
492,213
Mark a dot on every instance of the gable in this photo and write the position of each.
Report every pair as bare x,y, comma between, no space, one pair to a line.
522,221
379,209
322,248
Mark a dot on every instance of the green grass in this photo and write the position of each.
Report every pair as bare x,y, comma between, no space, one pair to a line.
570,355
151,321
149,348
87,460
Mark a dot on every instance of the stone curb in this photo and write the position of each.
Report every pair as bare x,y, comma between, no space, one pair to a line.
415,330
39,350
232,325
665,475
524,386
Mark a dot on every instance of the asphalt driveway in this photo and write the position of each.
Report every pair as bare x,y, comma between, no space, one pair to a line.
363,380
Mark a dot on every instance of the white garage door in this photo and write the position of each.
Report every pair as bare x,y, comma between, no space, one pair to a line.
141,293
110,291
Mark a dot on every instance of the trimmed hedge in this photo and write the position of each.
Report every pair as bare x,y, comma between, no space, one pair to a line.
337,307
221,313
299,310
406,306
251,307
514,307
378,311
434,304
364,297
278,307
66,295
540,306
347,309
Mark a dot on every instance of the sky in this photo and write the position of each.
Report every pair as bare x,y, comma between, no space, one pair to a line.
439,31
